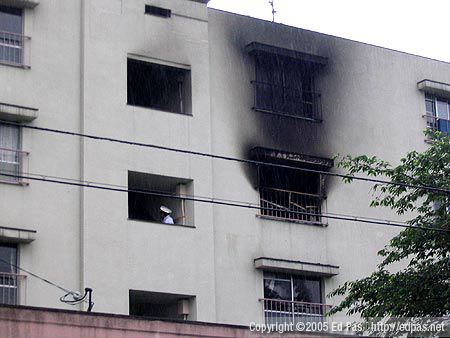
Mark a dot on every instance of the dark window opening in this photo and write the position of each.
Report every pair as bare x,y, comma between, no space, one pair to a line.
291,194
286,86
157,86
158,11
290,298
9,279
11,35
161,305
168,193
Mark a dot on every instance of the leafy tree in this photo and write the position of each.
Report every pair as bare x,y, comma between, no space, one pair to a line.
422,287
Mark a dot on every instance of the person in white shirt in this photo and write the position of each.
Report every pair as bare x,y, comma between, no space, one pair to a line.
165,214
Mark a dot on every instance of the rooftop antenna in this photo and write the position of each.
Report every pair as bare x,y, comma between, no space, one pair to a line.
273,9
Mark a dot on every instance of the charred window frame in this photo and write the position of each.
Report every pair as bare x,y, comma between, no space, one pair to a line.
284,82
291,194
158,86
159,191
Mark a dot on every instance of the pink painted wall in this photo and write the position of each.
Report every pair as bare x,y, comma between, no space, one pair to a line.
27,322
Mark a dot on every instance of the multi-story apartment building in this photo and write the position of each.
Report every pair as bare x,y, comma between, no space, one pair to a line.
176,74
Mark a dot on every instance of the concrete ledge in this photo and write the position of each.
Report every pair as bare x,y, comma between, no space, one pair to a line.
19,3
15,235
433,87
32,322
11,112
289,266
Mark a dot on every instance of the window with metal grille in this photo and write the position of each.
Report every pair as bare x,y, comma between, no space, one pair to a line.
11,35
10,153
292,298
438,113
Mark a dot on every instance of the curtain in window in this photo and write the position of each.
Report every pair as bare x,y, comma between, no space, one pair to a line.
9,156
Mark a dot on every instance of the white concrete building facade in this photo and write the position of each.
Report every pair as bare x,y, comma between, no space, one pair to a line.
176,74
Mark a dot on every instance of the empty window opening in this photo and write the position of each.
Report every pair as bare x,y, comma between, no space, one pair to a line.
171,208
158,86
11,35
291,194
290,298
161,305
158,11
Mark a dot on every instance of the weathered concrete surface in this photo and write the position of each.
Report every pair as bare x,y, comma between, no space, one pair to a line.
31,322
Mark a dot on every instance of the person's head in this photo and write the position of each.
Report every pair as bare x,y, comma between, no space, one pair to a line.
165,211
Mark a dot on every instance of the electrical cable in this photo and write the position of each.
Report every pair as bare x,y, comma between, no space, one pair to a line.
67,291
39,277
212,201
228,158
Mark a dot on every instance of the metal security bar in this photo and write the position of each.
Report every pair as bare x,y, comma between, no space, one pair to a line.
12,48
290,205
437,123
13,162
287,101
278,311
12,289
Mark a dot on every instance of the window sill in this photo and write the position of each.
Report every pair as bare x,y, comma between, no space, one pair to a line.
160,223
15,65
282,114
159,110
279,219
21,183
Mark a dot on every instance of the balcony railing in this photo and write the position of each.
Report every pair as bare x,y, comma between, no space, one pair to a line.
287,101
290,205
12,288
437,123
13,163
12,49
278,311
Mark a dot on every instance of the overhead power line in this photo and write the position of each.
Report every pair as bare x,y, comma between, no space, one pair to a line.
227,158
92,185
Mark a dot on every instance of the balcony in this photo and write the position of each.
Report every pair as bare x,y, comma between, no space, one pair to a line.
287,101
290,205
278,311
12,289
13,162
14,49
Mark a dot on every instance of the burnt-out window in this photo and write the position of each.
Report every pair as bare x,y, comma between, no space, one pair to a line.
285,86
158,86
290,194
161,305
295,193
285,83
160,199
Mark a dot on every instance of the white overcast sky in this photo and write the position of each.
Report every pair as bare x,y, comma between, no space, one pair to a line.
414,26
